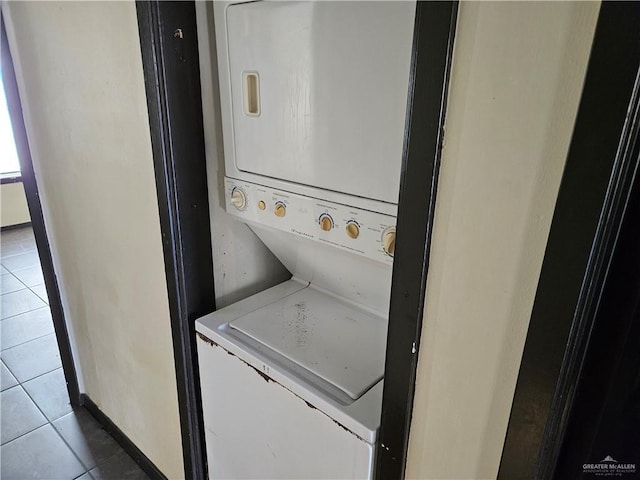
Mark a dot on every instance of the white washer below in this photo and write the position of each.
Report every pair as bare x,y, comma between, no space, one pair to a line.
291,384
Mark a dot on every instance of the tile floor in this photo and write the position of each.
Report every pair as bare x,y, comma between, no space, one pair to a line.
41,435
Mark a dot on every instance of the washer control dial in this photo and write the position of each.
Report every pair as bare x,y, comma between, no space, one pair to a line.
389,241
280,210
326,222
353,230
239,198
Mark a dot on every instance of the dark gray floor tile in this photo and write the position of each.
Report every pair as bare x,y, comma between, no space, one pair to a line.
25,327
40,454
87,439
9,283
49,392
33,358
41,291
22,261
7,380
19,414
30,276
15,303
120,466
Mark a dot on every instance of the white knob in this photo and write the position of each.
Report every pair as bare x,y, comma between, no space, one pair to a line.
238,199
389,241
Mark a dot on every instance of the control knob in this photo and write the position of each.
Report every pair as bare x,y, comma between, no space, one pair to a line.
280,210
326,223
353,230
389,241
238,198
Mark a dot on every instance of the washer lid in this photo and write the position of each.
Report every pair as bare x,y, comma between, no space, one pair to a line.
329,337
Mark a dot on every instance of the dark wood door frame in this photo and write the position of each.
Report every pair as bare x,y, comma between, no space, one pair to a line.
170,60
605,412
431,57
168,40
589,212
37,219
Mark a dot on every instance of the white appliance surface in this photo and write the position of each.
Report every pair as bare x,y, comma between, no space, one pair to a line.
338,342
313,100
330,83
257,429
360,416
303,218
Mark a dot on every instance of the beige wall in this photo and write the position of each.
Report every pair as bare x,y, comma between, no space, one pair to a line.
80,76
13,205
516,81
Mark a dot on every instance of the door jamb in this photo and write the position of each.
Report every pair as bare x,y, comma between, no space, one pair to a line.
589,212
169,46
37,218
175,110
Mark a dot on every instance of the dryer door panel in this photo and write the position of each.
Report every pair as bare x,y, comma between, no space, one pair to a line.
319,92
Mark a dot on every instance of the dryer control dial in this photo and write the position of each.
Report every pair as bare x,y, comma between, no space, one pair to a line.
326,222
280,210
389,241
353,230
238,198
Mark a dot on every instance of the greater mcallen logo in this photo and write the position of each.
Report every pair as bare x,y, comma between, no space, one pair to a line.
608,466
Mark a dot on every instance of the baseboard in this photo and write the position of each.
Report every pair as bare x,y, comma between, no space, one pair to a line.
119,436
15,177
12,227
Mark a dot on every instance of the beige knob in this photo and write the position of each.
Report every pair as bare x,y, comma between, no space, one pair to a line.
353,230
262,205
280,210
389,241
238,199
326,223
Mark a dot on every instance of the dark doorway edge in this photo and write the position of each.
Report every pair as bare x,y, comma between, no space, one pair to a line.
433,38
589,212
37,219
168,40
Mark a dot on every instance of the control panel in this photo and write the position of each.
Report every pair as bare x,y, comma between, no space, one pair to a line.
362,232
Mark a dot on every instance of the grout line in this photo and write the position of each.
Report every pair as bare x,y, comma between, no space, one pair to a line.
16,277
27,433
42,375
35,405
37,376
45,300
28,311
27,341
23,343
2,294
16,378
50,423
3,257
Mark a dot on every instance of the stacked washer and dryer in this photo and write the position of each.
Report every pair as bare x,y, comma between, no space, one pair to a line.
313,98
